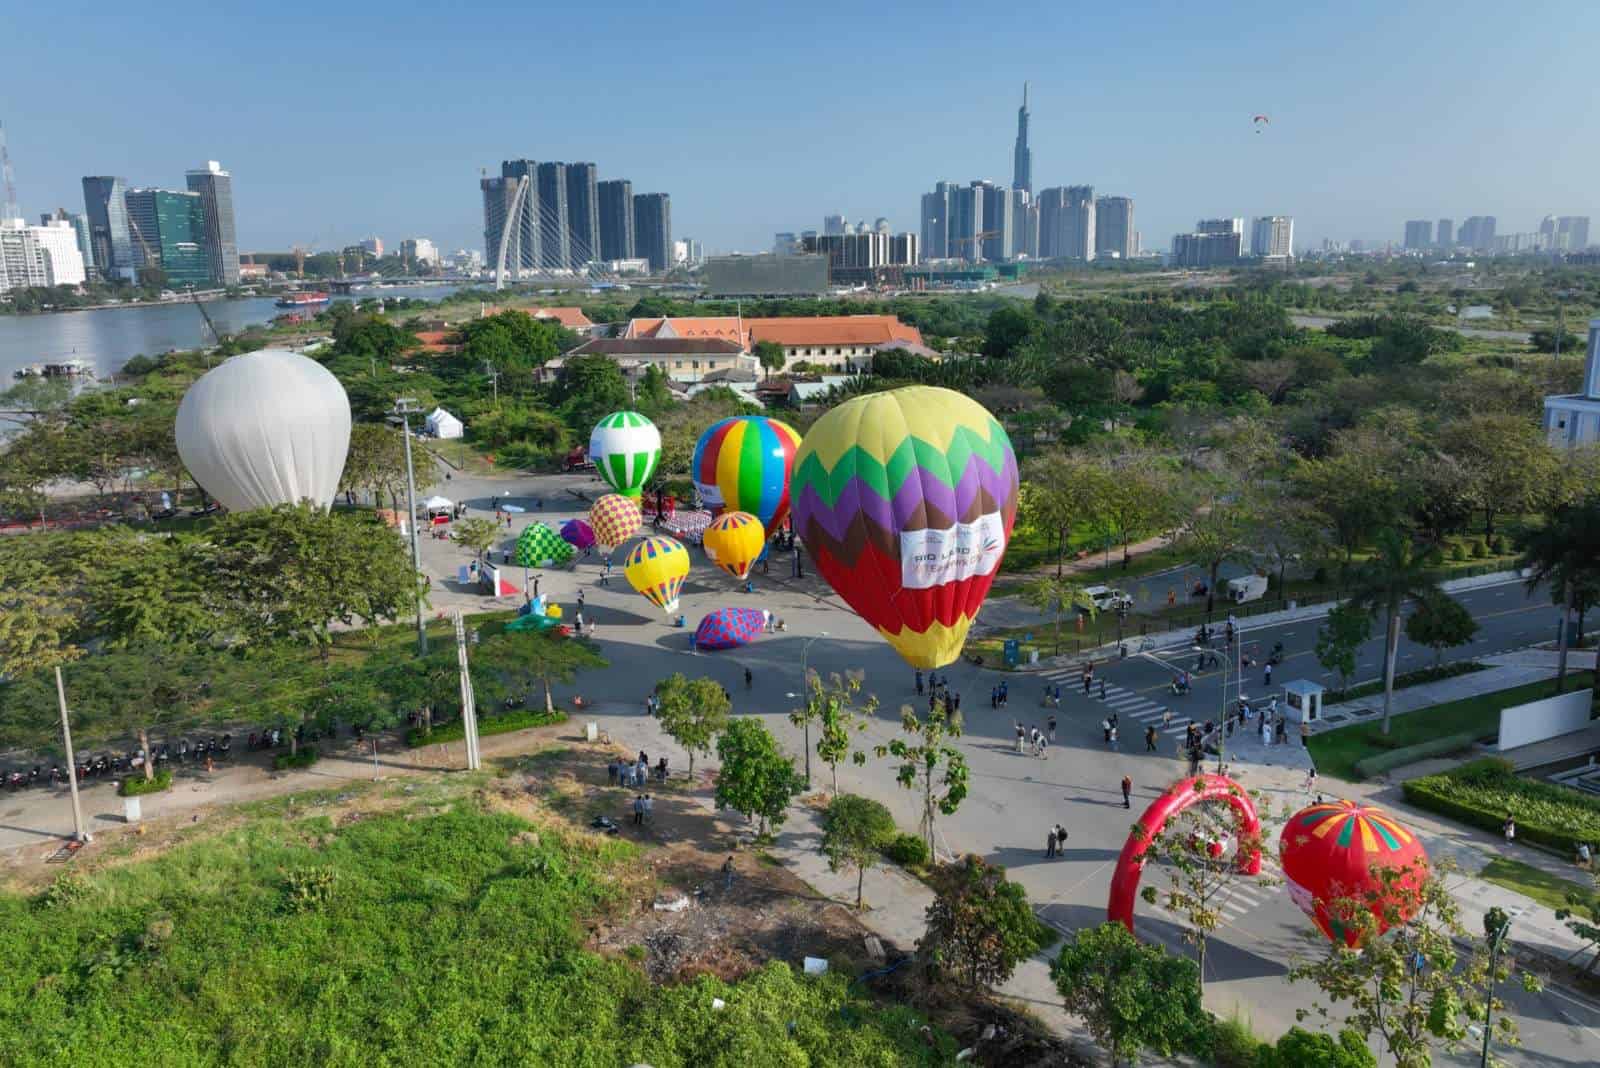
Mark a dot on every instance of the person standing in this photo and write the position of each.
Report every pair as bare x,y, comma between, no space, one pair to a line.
1311,780
1050,844
1509,829
1150,739
1021,734
727,874
1102,688
919,682
749,679
1105,728
638,811
1050,729
1266,674
1113,736
1088,679
611,772
955,706
1127,792
580,598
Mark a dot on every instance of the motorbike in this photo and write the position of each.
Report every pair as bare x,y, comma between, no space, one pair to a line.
1178,689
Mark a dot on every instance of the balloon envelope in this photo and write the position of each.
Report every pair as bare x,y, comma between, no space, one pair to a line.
538,546
744,464
728,628
269,427
656,568
577,533
906,499
625,448
734,541
1328,852
614,519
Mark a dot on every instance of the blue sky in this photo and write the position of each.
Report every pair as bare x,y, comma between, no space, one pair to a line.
345,119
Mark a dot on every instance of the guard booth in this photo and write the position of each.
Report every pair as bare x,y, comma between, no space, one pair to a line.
1302,700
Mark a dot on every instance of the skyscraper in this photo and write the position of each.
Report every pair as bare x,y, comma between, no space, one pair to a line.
652,229
1024,224
105,203
1022,155
215,187
1206,248
555,238
1067,223
23,261
966,222
833,224
1445,233
616,219
1478,233
997,222
1114,234
172,226
1572,232
583,212
1419,233
935,217
1272,237
501,204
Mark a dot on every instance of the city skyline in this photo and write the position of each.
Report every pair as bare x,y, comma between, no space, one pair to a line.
1170,125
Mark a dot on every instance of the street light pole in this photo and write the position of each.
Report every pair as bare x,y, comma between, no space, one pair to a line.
1497,925
72,763
805,686
404,407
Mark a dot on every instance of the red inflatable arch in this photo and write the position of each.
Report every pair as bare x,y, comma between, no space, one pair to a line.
1180,796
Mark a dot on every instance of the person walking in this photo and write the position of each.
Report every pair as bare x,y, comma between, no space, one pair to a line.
580,598
1166,717
1061,841
1050,845
1005,693
638,811
1102,688
1311,780
1021,734
1050,729
994,697
1266,674
1509,829
1105,728
919,682
749,679
727,874
649,809
1113,736
1127,792
1150,739
955,705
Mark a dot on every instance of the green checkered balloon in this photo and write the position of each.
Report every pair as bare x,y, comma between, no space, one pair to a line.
539,546
625,448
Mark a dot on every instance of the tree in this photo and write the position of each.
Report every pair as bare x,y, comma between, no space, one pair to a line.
1132,996
771,356
372,338
1408,988
854,830
1340,638
1507,459
755,778
1396,573
1565,552
832,707
1299,1048
1440,622
477,534
1007,328
1133,498
1215,535
590,387
1059,491
1358,489
692,712
376,462
1582,917
980,926
1057,595
545,658
1282,531
921,760
146,589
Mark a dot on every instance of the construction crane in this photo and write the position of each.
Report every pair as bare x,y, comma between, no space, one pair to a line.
205,315
150,258
12,211
975,240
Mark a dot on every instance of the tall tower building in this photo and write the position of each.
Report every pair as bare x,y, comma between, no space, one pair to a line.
583,212
171,225
1272,237
1445,233
1572,232
833,224
502,203
997,222
105,203
215,187
935,217
616,219
652,229
966,222
1022,155
1114,234
1419,233
555,238
1067,222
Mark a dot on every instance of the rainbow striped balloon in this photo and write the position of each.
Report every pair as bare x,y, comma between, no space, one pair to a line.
656,568
744,464
905,500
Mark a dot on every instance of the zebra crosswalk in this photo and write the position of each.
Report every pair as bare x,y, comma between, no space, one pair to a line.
1238,897
1125,702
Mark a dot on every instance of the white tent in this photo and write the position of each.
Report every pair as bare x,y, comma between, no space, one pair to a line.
438,504
441,424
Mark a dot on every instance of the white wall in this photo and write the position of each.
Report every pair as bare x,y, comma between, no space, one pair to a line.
1550,718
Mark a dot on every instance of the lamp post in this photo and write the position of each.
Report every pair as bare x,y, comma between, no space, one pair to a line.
403,407
805,680
1496,926
1223,719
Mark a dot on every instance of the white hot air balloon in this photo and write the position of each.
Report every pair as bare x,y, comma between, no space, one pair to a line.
269,427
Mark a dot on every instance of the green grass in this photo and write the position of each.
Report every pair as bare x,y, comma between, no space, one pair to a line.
423,936
1337,751
1548,890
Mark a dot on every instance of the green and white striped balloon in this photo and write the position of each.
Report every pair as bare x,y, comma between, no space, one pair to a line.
625,448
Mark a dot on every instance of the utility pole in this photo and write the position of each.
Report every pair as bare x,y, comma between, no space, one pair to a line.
1496,926
403,408
469,711
494,377
72,763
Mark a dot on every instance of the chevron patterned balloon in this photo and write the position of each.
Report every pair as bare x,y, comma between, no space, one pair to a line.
625,448
656,568
905,499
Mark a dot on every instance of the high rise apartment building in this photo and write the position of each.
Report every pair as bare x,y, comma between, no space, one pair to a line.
105,204
1067,223
215,187
1024,224
1477,233
1444,233
510,211
1272,237
1114,234
1419,233
583,212
833,224
555,238
23,263
1207,248
935,216
652,229
616,219
997,222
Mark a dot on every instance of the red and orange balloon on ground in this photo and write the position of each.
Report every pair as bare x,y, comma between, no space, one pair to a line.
1333,852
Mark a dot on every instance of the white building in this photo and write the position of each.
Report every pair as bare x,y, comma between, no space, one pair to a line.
63,257
1272,237
374,245
468,259
1573,420
23,262
419,250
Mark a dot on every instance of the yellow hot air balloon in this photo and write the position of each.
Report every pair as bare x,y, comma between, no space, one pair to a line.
656,568
734,541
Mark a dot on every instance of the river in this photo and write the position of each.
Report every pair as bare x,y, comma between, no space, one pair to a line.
107,338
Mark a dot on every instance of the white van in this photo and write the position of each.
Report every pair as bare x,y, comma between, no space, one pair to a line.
1247,588
1108,598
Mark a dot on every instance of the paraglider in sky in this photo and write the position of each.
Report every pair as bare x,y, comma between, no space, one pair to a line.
734,541
729,628
1328,852
1260,122
744,464
906,499
656,568
538,546
614,519
578,534
625,448
269,427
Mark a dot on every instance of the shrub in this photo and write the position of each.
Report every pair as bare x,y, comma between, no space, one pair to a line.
1400,756
66,890
308,889
1457,553
1498,544
135,785
907,850
1482,792
1232,1043
1479,549
303,759
1408,678
456,730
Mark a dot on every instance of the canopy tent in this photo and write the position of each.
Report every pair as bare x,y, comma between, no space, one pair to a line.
689,526
441,424
438,504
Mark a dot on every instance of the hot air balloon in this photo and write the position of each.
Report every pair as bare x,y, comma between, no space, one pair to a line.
729,628
269,427
614,519
538,546
1260,122
578,534
656,568
1328,853
625,448
906,499
734,541
744,464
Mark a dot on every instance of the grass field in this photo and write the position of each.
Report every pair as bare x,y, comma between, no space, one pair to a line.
1336,752
427,928
1546,889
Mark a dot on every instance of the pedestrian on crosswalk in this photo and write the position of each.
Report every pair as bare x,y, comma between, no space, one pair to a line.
1113,736
1105,728
1127,792
1266,674
1166,717
1149,739
1088,678
1102,689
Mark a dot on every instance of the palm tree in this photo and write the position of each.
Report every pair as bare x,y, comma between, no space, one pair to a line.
1565,552
1397,573
1057,594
